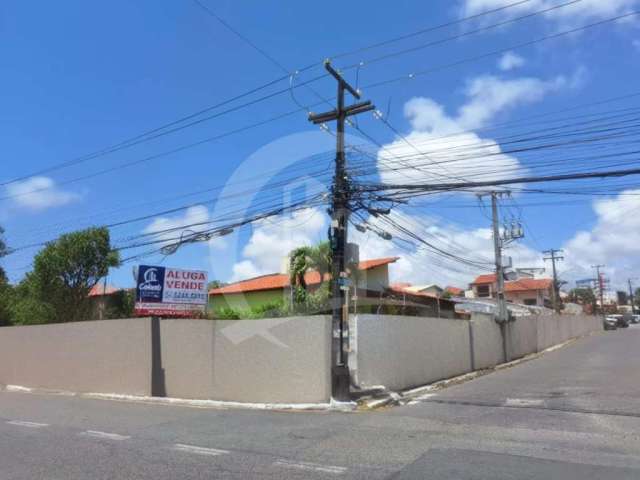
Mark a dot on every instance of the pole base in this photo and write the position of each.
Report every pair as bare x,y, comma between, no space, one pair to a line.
340,383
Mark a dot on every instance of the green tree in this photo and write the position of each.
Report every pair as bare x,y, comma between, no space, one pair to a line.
64,272
304,259
215,284
583,296
5,287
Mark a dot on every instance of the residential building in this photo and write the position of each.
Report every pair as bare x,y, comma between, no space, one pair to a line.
525,291
454,291
431,289
373,275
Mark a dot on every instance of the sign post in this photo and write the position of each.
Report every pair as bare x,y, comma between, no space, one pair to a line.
170,292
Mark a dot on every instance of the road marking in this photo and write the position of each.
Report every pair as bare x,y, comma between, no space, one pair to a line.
199,450
21,423
316,467
105,435
523,402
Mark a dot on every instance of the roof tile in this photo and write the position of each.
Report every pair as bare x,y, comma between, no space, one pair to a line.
281,280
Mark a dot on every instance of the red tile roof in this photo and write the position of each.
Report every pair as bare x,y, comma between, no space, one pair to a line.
483,279
527,284
399,288
522,285
100,289
454,290
275,281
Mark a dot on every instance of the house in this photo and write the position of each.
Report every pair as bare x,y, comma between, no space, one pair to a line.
373,275
525,291
103,297
431,289
430,302
454,291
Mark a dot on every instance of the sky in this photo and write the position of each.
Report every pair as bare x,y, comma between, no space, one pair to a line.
79,77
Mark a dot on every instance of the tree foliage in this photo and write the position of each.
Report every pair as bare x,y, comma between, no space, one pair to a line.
64,273
305,259
583,296
5,288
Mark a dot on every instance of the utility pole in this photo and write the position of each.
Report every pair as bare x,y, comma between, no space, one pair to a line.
339,211
553,256
514,233
631,298
497,249
600,284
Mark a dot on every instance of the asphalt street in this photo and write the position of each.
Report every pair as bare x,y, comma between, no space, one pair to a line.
573,413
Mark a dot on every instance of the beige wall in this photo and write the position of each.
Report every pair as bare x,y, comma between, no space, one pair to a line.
274,360
279,360
403,352
101,356
186,353
400,352
374,279
487,341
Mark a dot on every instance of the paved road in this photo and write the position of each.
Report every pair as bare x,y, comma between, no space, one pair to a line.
572,414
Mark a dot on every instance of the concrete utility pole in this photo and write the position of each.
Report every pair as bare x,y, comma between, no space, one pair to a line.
600,284
340,380
553,256
509,235
631,298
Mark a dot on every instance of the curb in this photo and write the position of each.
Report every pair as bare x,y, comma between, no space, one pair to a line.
183,402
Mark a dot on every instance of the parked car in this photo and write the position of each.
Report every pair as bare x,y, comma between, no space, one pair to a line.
635,318
625,320
610,323
622,321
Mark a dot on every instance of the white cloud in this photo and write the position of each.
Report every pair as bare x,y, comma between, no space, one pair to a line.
39,193
272,240
449,150
193,220
489,95
574,14
454,154
614,240
510,61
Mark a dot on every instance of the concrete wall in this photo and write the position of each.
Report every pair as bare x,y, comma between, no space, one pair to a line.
186,358
275,360
523,336
102,356
400,352
279,360
403,352
487,341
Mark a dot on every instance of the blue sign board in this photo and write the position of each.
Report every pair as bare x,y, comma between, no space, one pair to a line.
150,284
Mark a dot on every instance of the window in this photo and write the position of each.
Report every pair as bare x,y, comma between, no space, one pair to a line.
530,301
483,290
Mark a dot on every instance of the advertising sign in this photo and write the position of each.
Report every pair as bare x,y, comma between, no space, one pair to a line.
585,283
170,292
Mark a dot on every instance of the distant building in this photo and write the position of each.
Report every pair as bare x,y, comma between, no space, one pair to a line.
431,289
525,291
246,294
454,291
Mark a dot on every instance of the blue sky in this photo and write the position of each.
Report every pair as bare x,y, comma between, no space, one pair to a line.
80,76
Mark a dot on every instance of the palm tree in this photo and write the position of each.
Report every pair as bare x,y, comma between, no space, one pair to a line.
304,259
299,262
